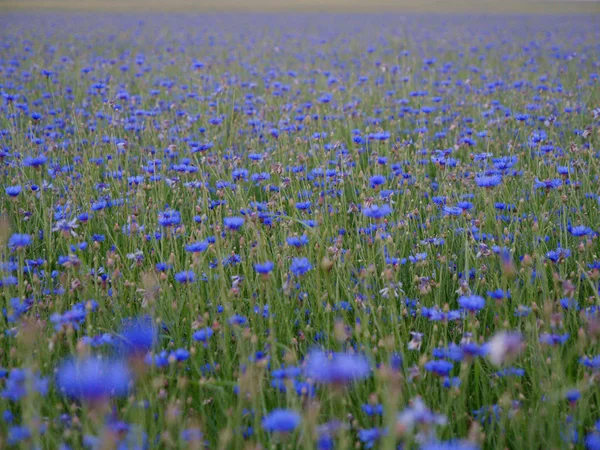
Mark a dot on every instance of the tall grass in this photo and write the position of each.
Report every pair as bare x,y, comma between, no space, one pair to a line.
132,137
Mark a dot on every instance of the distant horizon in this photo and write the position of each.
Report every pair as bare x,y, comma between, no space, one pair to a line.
359,6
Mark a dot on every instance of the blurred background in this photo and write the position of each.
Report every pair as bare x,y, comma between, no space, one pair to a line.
442,6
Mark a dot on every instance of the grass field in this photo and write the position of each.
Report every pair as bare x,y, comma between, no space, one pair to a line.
299,231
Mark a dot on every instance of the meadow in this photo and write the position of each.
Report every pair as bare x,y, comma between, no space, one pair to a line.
324,231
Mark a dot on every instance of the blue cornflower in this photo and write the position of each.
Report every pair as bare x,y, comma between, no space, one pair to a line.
300,266
450,445
185,277
580,230
548,184
138,335
203,334
439,367
13,191
372,410
377,212
370,436
233,223
553,339
472,303
573,395
295,241
592,441
558,255
19,241
337,368
488,181
376,180
281,421
197,247
237,319
93,379
303,206
452,210
264,268
17,385
18,434
169,218
418,414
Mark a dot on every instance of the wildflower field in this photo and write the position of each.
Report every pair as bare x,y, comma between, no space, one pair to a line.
299,231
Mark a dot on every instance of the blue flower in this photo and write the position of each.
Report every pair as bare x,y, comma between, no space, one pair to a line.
93,379
233,223
296,241
376,180
372,410
370,436
573,395
452,210
12,191
592,441
580,230
18,434
19,241
18,382
264,268
281,421
138,335
197,247
337,368
439,367
488,181
203,334
185,277
169,218
450,445
553,339
377,212
300,266
472,303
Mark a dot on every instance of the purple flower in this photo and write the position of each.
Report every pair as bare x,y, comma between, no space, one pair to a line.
418,414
